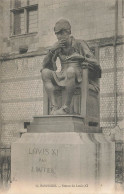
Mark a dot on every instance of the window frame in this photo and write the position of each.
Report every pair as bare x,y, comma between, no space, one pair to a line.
26,9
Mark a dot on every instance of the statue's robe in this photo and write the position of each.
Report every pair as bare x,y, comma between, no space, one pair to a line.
72,58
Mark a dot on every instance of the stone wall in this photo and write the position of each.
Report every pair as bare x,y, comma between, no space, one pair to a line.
21,95
1,29
94,19
120,18
109,80
1,42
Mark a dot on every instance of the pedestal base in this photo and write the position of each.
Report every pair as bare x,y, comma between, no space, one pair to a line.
63,162
62,123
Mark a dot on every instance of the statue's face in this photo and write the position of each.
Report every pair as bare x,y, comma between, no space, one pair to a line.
63,35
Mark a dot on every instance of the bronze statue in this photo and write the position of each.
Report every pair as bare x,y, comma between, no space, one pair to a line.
73,54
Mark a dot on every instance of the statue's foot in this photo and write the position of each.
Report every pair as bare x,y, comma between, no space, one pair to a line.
53,109
64,110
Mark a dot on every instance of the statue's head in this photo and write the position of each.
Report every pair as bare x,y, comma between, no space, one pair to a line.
62,24
62,29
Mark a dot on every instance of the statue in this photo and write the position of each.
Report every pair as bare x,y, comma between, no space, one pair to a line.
73,54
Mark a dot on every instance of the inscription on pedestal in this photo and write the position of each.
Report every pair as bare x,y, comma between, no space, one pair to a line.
63,159
43,155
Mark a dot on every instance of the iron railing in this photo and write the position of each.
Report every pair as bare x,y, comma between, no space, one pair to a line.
5,167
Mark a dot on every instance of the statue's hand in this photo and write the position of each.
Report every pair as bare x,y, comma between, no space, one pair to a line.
89,66
76,57
58,45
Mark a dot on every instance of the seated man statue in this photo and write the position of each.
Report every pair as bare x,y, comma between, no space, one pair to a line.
73,54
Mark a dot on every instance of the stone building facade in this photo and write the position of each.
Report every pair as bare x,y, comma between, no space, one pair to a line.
26,33
28,25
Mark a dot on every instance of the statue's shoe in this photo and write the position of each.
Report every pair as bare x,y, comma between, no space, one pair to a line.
53,109
64,110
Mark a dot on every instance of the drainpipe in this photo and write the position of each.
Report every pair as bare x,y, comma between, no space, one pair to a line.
115,60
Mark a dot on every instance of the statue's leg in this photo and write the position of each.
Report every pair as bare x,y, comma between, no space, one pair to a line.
69,91
70,86
50,88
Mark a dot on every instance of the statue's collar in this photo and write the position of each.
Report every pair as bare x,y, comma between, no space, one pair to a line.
74,43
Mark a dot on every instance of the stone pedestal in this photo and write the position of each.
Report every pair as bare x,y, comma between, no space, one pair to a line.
64,162
63,123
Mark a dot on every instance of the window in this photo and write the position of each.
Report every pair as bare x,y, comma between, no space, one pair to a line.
24,16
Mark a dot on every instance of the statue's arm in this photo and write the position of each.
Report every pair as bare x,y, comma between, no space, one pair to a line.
49,61
90,58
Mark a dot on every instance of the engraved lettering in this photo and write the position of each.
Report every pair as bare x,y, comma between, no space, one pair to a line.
54,152
38,151
43,151
42,160
45,170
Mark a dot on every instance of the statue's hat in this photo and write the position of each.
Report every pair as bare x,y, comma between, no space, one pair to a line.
62,24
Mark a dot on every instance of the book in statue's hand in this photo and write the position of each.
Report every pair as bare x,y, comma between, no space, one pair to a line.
75,57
